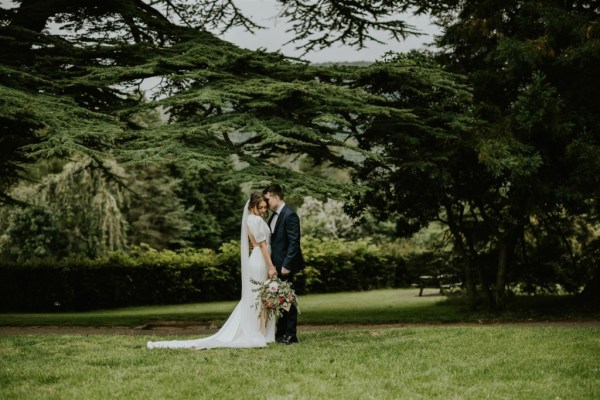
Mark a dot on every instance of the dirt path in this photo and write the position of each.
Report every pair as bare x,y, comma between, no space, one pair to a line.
163,328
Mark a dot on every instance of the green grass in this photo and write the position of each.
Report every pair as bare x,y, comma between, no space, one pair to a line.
436,362
380,306
428,362
371,307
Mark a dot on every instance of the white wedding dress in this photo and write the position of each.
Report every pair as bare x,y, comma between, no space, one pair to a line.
242,328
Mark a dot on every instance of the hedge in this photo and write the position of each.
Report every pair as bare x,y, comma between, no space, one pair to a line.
144,276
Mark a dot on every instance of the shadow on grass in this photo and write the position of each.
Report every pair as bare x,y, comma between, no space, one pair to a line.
387,306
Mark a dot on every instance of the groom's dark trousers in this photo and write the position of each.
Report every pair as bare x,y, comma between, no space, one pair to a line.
286,324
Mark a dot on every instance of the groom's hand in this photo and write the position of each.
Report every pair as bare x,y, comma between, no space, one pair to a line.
285,271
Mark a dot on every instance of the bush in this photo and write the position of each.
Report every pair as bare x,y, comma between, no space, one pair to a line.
334,265
143,276
146,276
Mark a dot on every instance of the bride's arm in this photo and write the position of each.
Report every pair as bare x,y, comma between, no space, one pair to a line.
267,256
254,225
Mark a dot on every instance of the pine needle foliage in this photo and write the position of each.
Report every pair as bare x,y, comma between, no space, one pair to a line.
84,83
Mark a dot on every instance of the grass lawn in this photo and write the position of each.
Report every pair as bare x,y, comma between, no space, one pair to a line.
428,362
434,362
370,307
379,306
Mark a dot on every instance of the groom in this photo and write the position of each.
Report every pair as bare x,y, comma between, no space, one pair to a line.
285,253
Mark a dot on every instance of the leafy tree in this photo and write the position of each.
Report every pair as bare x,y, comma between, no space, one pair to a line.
32,232
83,210
78,211
532,65
426,167
78,89
328,219
214,207
220,100
71,91
325,219
155,214
529,165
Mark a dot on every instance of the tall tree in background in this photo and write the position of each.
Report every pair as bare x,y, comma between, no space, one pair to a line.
70,91
75,212
90,207
522,179
426,169
155,214
214,207
533,68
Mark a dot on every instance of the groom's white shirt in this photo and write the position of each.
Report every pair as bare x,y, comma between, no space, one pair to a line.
274,220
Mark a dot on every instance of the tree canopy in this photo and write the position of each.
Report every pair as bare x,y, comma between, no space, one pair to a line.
517,185
77,87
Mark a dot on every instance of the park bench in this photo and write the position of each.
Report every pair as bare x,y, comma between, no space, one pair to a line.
441,281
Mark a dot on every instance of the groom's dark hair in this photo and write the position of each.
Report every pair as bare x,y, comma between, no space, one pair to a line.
274,189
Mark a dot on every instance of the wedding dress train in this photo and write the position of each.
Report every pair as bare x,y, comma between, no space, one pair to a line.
242,328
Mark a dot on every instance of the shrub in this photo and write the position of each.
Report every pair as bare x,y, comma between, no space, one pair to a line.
145,276
334,265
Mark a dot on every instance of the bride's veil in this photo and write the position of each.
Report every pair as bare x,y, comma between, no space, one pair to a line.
244,252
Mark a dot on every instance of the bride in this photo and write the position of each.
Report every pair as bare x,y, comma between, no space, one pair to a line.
242,328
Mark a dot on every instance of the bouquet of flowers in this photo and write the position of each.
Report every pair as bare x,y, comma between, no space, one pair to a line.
274,296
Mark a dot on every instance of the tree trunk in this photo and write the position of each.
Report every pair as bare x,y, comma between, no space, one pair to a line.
471,283
500,294
486,289
591,292
466,255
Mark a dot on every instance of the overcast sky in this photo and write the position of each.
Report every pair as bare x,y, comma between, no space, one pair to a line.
264,12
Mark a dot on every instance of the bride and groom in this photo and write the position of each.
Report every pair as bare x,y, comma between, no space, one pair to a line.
275,250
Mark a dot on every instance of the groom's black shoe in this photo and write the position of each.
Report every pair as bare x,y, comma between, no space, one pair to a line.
287,339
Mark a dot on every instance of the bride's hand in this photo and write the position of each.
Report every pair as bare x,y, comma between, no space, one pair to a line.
272,272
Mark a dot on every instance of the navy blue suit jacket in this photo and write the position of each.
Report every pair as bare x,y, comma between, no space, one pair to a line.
285,242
